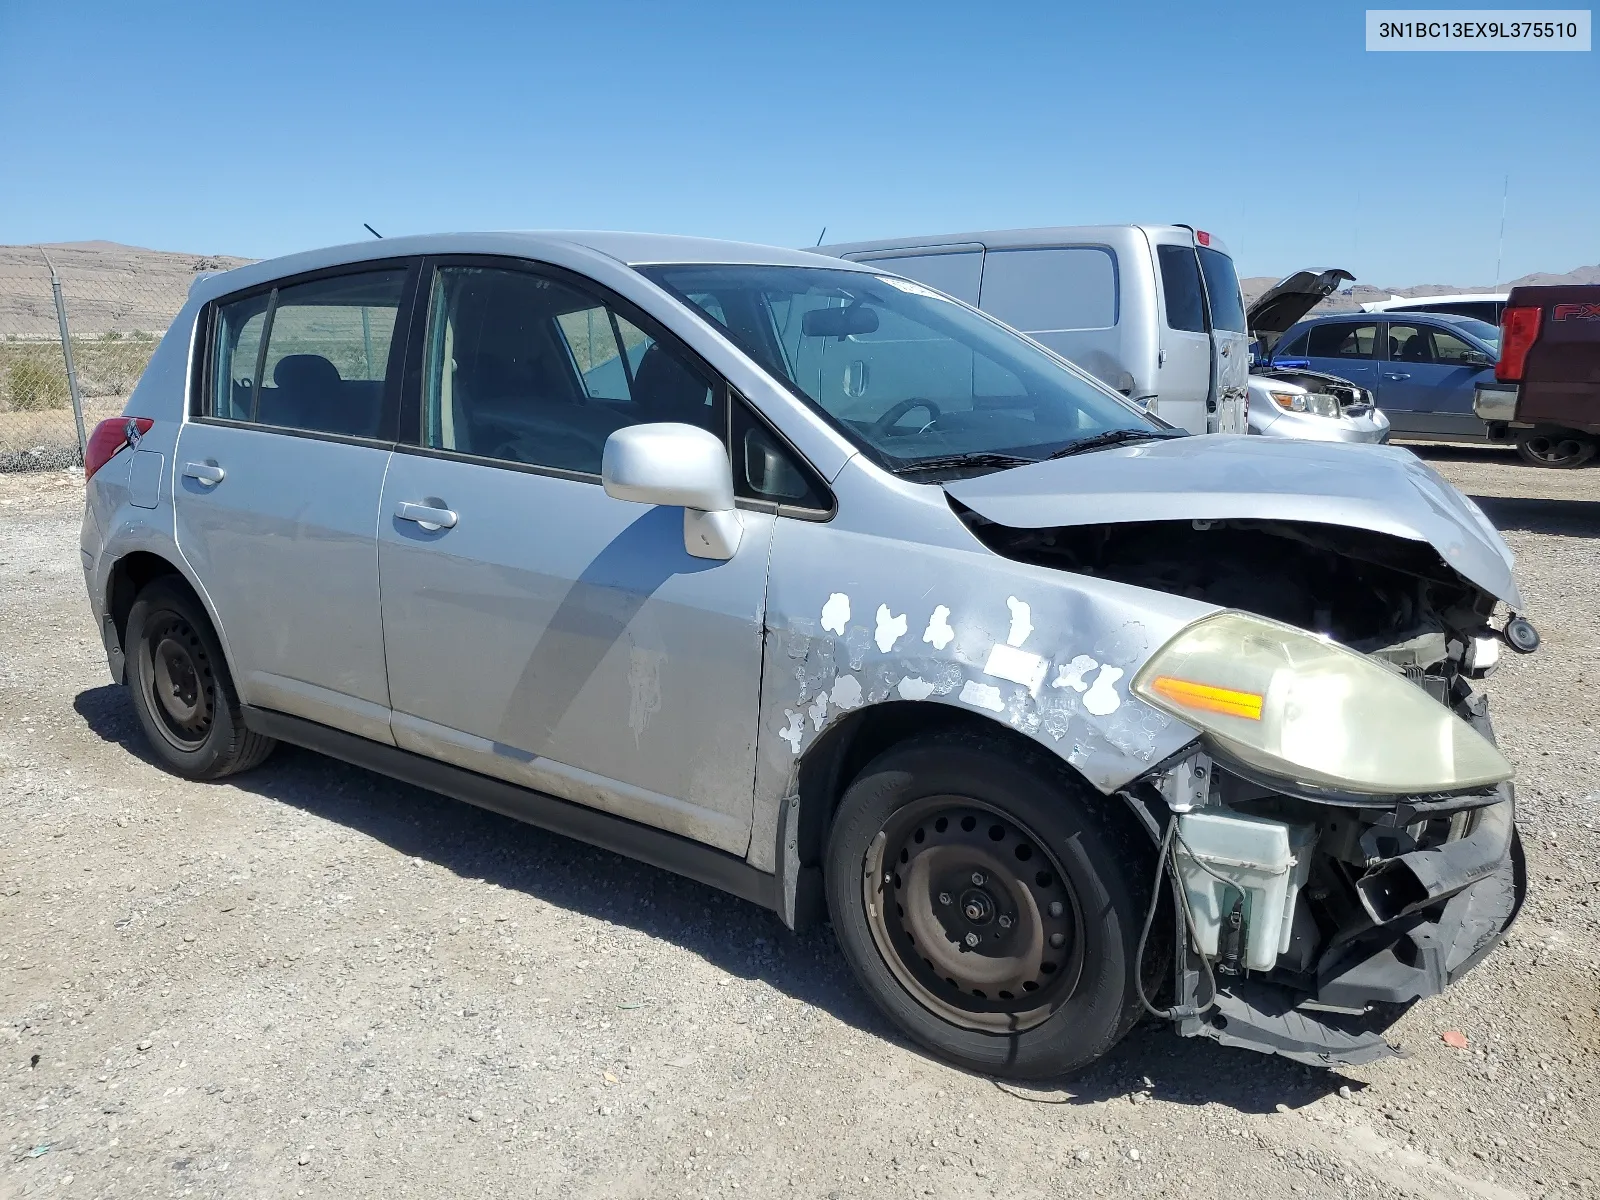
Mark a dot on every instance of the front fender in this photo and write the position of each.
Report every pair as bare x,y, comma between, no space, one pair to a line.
855,620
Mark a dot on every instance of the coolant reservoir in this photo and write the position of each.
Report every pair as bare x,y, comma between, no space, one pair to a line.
1226,858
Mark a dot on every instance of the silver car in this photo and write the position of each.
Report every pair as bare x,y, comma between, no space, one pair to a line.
816,585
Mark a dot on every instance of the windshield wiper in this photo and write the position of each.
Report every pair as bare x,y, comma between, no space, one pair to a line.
1114,437
977,458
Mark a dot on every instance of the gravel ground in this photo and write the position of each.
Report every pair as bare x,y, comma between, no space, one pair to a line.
312,981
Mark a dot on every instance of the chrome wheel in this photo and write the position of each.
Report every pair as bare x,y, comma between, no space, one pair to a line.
972,914
178,681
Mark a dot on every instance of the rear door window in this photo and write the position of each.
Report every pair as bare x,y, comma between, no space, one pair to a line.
1222,290
1410,343
1053,289
312,356
1343,340
1180,287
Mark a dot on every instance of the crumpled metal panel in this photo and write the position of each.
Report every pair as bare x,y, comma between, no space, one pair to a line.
858,618
1386,489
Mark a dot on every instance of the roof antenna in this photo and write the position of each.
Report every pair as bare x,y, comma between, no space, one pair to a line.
372,231
821,235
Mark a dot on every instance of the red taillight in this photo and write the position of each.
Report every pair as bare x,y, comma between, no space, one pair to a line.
110,436
1519,329
1201,236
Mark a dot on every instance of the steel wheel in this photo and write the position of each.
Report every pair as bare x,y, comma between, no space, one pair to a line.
972,914
1562,449
177,675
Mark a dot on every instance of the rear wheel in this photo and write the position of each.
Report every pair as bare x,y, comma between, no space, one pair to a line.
988,902
181,689
1558,448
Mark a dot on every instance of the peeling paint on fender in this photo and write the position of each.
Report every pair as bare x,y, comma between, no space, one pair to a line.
1017,666
1070,675
1021,621
795,730
914,687
939,634
836,613
846,693
1102,699
982,695
890,629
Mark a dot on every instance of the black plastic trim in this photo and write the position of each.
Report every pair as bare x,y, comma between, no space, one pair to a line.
657,847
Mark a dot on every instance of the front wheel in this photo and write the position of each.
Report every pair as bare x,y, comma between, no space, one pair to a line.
180,687
989,902
1560,448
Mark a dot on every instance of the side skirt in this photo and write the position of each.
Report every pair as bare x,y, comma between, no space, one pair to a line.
628,838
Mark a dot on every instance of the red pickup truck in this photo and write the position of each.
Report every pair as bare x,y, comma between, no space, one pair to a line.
1546,394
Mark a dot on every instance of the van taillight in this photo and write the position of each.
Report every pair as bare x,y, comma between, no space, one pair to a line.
1201,236
110,436
1519,329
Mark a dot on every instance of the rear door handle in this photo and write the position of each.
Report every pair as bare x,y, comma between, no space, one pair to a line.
428,517
1397,375
208,474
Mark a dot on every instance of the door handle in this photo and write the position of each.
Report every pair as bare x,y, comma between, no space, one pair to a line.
430,518
206,474
1397,374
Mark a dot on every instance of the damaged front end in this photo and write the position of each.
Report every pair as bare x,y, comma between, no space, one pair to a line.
1314,922
1340,841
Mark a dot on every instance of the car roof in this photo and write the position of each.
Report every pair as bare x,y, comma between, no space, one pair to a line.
1406,302
1459,321
631,249
1038,237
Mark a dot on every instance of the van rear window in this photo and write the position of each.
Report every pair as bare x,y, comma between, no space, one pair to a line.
1180,285
1222,290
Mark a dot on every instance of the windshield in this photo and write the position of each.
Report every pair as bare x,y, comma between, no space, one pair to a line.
907,374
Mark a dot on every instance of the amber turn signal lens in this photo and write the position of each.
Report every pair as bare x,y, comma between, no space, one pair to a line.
1206,698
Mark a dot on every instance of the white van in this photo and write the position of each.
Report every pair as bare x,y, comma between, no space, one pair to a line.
1152,310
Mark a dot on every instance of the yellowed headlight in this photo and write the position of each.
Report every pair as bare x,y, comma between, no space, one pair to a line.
1305,708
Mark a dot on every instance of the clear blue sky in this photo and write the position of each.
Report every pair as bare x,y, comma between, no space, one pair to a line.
258,129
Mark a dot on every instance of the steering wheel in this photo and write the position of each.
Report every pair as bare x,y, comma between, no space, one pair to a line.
884,424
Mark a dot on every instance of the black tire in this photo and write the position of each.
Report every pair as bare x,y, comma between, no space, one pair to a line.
181,689
1054,835
1559,448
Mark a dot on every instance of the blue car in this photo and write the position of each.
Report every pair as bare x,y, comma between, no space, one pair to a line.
1422,367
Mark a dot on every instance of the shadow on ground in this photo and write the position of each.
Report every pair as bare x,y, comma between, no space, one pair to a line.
729,933
1569,518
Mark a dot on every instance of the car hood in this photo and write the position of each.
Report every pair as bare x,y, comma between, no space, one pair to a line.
1216,477
1286,301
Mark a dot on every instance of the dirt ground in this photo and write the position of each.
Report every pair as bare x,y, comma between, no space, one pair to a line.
311,981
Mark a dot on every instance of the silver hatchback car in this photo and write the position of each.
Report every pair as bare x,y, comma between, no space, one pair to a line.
819,586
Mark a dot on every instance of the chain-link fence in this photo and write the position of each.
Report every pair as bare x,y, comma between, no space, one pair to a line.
118,300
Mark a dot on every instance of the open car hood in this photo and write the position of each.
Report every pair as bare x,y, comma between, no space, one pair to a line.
1286,301
1218,478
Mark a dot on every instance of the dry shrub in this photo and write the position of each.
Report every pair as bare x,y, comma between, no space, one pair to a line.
32,385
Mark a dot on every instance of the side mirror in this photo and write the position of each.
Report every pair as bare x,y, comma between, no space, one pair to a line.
1478,358
685,467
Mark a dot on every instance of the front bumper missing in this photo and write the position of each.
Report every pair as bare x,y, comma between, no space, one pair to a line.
1455,904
